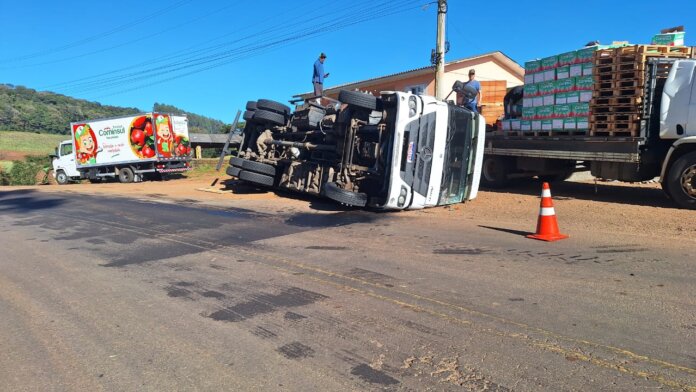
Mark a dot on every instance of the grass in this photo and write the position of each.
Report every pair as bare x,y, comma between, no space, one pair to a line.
30,143
6,165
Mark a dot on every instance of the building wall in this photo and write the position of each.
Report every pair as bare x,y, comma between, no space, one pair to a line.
486,69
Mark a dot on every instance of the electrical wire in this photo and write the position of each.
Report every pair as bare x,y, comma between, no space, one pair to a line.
99,36
220,58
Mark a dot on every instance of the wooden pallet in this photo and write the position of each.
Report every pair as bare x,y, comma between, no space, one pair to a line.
618,92
615,133
628,83
654,50
617,101
605,109
627,126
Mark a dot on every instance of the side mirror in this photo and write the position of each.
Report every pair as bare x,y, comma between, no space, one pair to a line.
468,93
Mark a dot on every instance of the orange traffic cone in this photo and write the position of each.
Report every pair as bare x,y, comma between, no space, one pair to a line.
547,226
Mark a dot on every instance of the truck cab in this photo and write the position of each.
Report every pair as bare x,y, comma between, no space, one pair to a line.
64,167
678,128
396,151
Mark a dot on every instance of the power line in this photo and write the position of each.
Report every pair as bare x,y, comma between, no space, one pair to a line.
99,36
87,54
254,51
223,57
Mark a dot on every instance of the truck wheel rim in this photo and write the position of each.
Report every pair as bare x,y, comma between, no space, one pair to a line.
689,181
490,170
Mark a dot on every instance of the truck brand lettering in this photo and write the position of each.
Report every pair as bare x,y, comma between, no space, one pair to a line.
117,130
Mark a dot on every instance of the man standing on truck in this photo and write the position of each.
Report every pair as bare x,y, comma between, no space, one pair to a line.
475,84
318,77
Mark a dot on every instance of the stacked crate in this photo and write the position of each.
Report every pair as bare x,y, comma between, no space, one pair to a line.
492,98
619,85
557,93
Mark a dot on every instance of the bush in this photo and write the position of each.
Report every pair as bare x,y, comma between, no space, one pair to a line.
5,178
25,172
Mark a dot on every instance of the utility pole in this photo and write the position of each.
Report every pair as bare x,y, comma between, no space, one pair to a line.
440,50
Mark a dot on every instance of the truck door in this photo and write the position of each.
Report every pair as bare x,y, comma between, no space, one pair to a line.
678,108
66,159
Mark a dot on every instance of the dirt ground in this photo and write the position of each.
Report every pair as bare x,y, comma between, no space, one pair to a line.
601,208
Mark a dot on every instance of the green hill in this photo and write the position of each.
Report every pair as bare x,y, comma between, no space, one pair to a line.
27,110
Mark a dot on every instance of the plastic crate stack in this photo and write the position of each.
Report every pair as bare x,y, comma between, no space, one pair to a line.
620,77
557,92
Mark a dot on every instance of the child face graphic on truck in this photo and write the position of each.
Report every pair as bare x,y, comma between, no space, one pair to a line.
86,144
165,137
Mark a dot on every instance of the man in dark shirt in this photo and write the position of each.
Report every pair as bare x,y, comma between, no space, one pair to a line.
475,84
318,76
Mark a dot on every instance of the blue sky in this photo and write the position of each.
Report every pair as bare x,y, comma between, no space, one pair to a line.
210,57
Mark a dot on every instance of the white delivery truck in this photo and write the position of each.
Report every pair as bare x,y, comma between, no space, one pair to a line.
396,151
130,148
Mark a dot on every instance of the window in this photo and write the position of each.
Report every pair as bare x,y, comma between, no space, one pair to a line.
415,89
65,149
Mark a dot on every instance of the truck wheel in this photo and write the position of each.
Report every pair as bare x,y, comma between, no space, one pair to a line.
62,178
248,115
269,117
356,98
233,171
273,106
125,175
251,106
349,198
259,167
494,171
255,178
681,181
236,161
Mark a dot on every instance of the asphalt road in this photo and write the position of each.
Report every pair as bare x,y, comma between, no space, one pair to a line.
118,294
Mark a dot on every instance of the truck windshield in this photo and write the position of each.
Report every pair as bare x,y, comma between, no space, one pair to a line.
455,170
65,149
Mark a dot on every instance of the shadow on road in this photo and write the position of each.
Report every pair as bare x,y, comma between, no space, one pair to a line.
604,192
510,231
23,200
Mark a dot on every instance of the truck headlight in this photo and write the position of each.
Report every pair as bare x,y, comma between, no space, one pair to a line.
402,196
412,106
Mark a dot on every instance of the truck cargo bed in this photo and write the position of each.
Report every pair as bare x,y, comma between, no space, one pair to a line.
612,149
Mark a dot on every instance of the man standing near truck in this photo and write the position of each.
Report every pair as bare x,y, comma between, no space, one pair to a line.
475,84
318,77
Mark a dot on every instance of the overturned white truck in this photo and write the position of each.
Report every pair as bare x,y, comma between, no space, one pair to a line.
396,151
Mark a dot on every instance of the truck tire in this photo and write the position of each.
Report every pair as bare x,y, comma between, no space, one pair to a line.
233,171
62,178
126,175
273,106
236,161
494,173
256,178
269,117
248,115
349,198
258,167
681,181
356,98
251,106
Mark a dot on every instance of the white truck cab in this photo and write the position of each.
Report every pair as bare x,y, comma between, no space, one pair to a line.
64,167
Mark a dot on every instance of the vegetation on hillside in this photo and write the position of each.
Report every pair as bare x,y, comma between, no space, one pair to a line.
27,110
29,143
